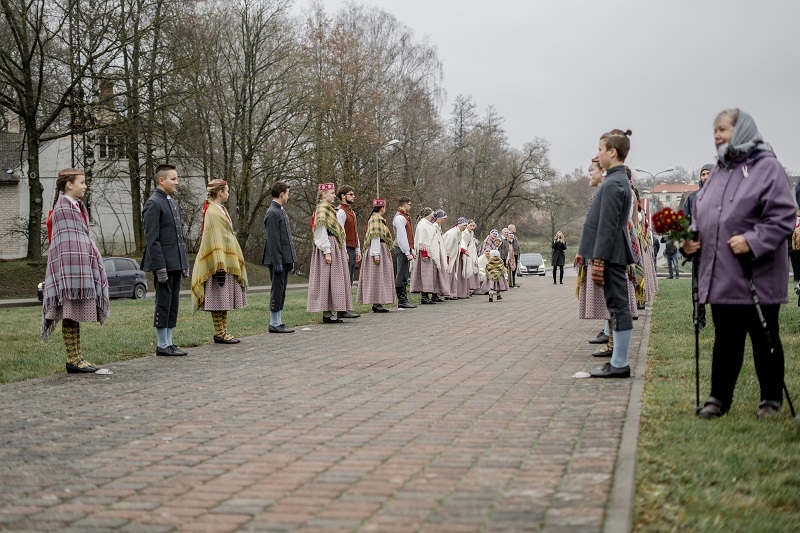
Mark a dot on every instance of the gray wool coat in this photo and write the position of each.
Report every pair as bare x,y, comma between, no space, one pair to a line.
605,231
751,198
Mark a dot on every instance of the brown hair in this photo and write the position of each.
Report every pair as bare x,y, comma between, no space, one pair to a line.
162,169
403,200
619,141
345,189
68,175
278,187
215,187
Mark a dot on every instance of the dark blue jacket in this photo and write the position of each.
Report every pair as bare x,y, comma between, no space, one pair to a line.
165,246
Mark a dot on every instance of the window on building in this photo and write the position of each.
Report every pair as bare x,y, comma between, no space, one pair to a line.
669,198
110,147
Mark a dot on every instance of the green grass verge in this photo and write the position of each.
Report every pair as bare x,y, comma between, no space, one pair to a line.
129,332
735,473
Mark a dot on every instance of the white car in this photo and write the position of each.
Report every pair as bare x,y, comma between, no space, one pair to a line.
531,264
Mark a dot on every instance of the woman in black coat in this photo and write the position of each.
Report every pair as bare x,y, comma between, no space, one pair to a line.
559,246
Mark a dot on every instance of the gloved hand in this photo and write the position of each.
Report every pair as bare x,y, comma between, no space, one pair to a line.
219,276
278,269
463,251
598,266
161,274
797,289
424,254
185,273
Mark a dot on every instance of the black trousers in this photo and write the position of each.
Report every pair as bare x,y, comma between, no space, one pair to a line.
351,262
277,292
795,258
167,299
556,267
615,291
732,325
402,270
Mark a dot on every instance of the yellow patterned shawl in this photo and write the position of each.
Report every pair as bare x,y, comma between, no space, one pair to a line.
219,250
377,227
326,217
495,269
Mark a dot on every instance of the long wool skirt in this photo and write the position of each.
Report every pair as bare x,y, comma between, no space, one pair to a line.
497,286
229,296
376,284
427,277
650,280
592,301
462,287
329,285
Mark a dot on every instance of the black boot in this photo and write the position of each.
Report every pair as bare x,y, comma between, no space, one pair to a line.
402,299
426,299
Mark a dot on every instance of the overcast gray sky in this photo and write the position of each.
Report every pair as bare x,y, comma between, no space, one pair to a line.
569,70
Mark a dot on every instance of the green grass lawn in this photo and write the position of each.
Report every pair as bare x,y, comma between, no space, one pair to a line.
129,332
735,473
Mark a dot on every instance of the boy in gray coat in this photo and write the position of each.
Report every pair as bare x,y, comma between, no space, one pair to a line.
605,242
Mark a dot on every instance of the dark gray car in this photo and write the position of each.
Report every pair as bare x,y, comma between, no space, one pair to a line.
125,279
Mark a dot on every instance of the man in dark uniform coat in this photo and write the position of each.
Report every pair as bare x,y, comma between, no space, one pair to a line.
279,254
165,255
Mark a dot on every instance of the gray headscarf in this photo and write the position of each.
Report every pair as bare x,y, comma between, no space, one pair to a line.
745,141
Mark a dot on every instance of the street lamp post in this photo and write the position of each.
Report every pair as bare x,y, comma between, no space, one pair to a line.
393,142
654,176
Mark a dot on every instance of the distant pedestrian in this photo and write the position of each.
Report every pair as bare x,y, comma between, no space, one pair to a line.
329,276
219,276
559,246
671,254
376,284
279,254
165,256
495,274
75,284
512,229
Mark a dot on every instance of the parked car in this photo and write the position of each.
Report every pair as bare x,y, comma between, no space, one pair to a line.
531,264
125,279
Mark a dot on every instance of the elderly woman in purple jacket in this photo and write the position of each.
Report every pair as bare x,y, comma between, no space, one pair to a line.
744,215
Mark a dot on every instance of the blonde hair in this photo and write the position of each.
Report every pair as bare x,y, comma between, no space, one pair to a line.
215,187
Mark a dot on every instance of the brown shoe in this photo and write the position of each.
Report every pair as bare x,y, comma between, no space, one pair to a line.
768,409
711,409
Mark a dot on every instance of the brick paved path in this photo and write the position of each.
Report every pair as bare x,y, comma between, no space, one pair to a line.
461,416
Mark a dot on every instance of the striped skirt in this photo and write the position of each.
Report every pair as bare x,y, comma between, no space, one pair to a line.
650,280
329,285
592,301
376,284
425,277
229,296
75,310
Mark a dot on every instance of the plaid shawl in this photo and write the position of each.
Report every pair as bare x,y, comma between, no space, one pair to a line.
377,227
326,216
219,250
75,268
495,269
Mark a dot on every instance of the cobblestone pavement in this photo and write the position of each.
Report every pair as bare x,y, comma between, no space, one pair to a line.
462,416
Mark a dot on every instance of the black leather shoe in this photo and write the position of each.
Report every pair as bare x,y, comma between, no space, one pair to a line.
601,338
435,299
72,368
347,314
280,329
605,351
223,340
712,408
406,305
332,320
379,309
608,371
169,351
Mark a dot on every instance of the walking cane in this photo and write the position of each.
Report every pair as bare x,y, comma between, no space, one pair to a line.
696,320
747,267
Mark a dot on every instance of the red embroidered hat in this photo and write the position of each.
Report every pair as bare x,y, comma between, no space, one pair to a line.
327,186
379,202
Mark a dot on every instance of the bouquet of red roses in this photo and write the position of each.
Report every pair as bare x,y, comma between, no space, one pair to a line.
673,224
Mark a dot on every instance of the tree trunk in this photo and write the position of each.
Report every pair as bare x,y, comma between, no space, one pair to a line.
35,189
